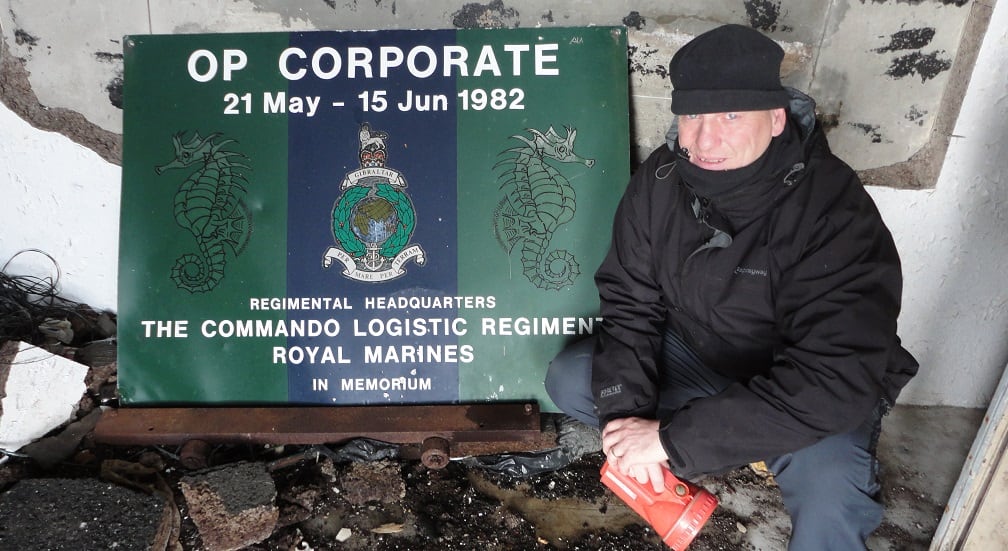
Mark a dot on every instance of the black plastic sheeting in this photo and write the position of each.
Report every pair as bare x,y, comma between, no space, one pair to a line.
574,439
360,450
521,465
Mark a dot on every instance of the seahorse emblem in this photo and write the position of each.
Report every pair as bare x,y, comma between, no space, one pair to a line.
210,204
537,200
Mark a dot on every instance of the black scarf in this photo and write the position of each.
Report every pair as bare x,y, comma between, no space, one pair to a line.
742,195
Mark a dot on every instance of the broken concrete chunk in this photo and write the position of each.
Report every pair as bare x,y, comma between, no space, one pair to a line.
377,481
40,392
233,506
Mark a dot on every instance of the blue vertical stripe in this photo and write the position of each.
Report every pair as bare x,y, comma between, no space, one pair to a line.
323,149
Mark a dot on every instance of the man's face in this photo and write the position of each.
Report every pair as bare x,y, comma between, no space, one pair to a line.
724,141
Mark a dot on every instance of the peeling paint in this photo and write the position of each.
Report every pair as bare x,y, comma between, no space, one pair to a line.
909,39
21,38
927,66
638,62
115,92
763,14
870,130
916,115
108,57
352,5
486,16
635,20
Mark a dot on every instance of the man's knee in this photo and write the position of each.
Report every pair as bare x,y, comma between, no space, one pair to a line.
841,469
568,378
831,492
554,385
571,363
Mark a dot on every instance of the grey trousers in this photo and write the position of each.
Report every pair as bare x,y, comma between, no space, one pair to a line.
830,489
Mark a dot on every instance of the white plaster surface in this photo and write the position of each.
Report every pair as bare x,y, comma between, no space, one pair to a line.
42,393
953,242
63,199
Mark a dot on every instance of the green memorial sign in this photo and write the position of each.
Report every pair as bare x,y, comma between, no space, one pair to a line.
364,217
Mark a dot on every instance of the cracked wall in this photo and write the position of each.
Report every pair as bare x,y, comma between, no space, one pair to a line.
886,74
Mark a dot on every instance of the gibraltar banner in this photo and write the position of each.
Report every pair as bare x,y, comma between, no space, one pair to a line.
364,217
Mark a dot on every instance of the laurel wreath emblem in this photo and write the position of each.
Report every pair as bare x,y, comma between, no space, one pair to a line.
399,238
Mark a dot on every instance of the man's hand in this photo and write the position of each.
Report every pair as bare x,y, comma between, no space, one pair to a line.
632,446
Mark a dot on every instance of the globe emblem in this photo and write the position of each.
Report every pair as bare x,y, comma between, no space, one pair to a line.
373,221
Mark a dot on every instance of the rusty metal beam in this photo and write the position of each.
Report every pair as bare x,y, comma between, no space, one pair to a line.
513,423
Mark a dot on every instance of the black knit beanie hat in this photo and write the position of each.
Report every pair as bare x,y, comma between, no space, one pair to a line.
730,68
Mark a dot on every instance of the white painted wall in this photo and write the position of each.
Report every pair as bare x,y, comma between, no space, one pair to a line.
953,242
61,198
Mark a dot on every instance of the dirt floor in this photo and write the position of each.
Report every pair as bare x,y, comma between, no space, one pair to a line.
402,505
464,509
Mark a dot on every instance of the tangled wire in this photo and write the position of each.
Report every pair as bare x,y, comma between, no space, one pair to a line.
32,311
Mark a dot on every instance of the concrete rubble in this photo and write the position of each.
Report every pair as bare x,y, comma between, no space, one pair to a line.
233,507
378,481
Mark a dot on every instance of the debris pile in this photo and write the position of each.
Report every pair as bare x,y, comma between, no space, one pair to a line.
57,367
32,311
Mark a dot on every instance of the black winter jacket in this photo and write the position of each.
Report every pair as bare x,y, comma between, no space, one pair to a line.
798,304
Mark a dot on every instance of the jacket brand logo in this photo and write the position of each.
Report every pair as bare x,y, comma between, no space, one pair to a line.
755,272
611,391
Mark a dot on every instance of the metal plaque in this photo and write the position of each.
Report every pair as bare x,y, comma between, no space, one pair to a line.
364,217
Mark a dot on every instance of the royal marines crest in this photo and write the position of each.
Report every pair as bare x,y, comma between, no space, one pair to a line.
373,219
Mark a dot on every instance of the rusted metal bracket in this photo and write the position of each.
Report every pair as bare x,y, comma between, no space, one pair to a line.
438,430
